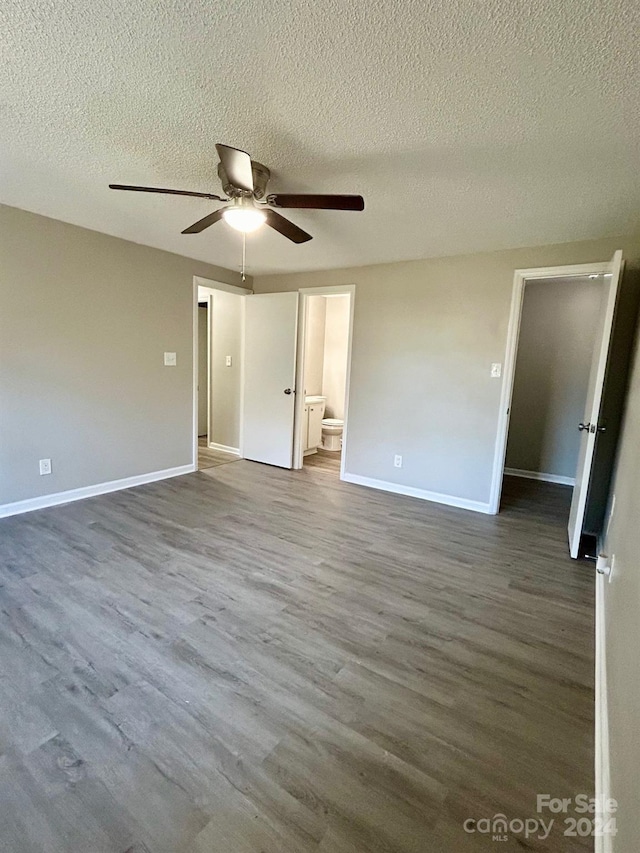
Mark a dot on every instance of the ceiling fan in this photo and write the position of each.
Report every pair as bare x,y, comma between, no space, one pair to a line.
245,183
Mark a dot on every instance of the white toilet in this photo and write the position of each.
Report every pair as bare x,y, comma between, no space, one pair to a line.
332,433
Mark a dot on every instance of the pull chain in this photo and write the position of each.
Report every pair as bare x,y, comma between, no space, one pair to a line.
244,254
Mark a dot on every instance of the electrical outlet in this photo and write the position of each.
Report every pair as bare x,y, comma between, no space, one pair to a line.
169,359
45,466
227,361
397,461
496,370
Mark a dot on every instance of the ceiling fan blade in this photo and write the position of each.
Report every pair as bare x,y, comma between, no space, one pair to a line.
237,165
201,224
317,202
287,228
166,192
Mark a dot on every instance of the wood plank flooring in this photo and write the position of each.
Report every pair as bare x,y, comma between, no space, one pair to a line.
252,660
209,458
324,460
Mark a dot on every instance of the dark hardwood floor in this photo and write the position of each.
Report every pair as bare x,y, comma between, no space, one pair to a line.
253,660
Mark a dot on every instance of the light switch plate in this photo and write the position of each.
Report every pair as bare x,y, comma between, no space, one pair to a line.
169,359
227,360
496,370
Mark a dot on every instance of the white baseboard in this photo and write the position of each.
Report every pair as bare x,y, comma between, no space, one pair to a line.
422,494
58,498
539,475
224,448
603,843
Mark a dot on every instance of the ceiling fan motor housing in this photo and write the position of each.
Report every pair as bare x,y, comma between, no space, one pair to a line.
261,177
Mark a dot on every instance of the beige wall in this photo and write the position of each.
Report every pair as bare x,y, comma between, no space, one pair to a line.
555,351
336,348
622,618
226,339
314,345
84,322
425,335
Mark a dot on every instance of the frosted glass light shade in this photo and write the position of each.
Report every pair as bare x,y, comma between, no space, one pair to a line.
245,219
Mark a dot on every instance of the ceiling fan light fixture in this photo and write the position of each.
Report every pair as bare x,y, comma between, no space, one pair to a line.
245,181
244,218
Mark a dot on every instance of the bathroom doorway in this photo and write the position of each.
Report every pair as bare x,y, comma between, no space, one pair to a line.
323,377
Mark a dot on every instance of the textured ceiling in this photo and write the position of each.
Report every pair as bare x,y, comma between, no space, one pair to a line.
467,124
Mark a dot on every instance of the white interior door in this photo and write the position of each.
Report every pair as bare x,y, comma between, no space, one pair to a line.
589,425
270,339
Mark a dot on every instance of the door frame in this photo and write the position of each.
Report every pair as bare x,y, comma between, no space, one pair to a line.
520,279
305,293
207,305
211,284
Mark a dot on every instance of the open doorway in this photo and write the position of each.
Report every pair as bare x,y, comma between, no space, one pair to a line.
549,351
324,365
558,329
217,372
275,426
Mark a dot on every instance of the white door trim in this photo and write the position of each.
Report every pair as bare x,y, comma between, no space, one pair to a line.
305,292
194,390
198,280
211,284
209,363
520,279
603,843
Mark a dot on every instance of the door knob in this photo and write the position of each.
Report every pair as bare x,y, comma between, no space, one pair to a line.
288,391
583,427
